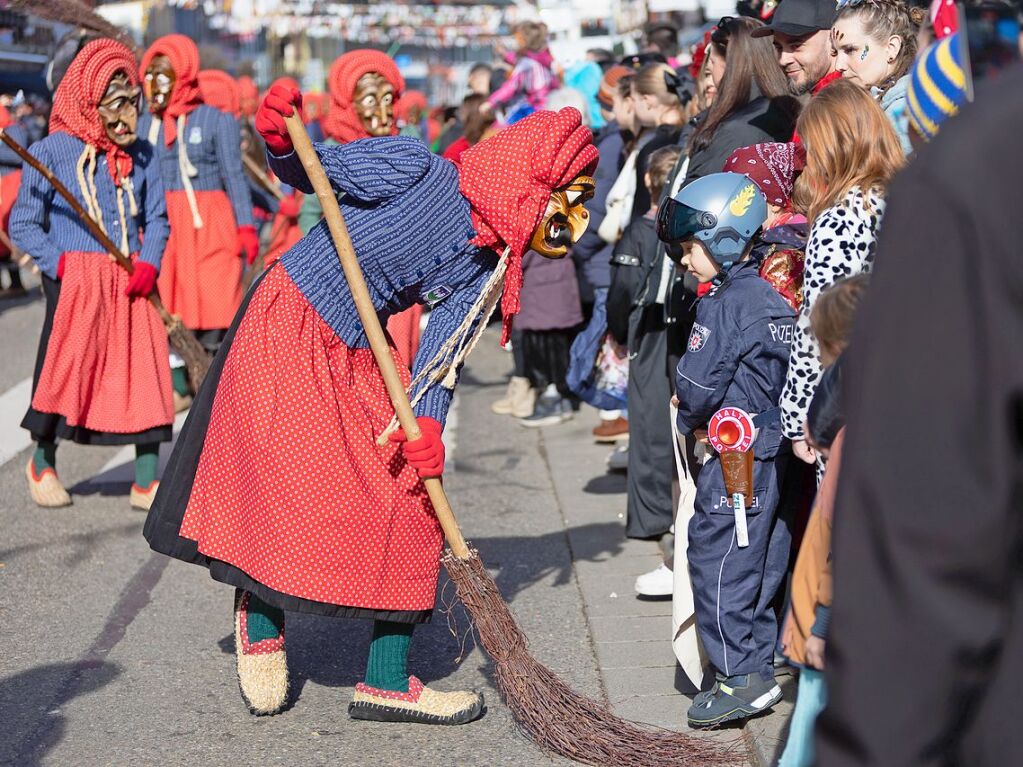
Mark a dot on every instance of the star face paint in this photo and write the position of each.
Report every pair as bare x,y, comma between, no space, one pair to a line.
565,219
119,110
374,103
857,55
158,84
866,50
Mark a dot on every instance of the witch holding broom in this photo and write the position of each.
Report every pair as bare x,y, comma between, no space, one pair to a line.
283,482
102,374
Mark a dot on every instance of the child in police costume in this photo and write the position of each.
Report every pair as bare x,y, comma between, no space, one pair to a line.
737,356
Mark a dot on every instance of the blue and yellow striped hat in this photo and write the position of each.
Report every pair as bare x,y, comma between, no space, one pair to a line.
939,84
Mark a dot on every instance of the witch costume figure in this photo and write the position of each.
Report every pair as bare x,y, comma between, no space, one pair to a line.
281,484
102,376
208,201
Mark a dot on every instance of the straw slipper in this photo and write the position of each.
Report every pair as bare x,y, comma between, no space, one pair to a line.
142,499
45,488
420,705
262,667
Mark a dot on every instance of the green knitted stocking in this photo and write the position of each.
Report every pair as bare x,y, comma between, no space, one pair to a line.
387,668
45,457
264,621
146,459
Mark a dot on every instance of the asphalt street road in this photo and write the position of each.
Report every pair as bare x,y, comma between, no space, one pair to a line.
113,655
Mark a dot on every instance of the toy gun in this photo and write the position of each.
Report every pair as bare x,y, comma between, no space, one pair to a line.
731,433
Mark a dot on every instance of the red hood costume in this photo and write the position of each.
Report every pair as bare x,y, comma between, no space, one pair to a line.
103,375
404,106
508,180
248,95
342,123
184,59
220,91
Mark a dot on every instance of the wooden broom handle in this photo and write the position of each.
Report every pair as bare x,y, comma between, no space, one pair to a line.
123,261
261,177
371,323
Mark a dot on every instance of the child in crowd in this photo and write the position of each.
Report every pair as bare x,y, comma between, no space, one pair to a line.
806,625
736,356
779,247
636,318
532,78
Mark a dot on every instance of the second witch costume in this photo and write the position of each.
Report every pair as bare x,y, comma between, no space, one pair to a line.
102,375
280,487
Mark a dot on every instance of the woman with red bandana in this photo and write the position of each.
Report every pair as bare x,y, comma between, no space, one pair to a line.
208,201
280,487
101,376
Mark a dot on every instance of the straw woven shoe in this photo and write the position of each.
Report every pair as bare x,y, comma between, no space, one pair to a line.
143,499
420,705
182,402
262,667
45,488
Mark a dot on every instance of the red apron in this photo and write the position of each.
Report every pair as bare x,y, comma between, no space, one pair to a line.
291,487
8,194
200,277
106,366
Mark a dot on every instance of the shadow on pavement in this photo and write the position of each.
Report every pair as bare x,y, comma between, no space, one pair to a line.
31,704
31,296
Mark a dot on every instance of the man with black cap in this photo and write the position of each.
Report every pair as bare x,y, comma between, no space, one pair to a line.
802,38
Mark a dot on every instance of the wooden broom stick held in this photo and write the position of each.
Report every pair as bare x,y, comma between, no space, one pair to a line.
261,177
371,323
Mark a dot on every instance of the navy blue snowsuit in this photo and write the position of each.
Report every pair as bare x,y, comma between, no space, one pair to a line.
737,356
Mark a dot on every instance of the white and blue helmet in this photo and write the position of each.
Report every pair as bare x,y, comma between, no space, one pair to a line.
722,210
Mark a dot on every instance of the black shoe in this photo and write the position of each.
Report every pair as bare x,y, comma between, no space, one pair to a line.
733,698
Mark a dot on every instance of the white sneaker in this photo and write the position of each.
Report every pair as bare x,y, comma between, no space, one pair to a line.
656,583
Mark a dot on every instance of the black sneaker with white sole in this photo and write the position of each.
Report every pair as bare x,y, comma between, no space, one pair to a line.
733,698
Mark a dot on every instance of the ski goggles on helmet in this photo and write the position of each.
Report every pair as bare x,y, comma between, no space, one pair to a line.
677,222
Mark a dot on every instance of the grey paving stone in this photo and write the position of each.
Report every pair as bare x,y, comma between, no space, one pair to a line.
655,654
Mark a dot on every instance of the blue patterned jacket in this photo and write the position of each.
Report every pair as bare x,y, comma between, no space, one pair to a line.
44,225
213,143
411,230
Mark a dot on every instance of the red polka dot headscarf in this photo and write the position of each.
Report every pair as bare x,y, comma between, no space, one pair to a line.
508,180
771,166
220,91
342,122
184,60
76,102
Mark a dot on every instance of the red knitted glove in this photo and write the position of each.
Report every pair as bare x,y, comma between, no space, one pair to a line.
141,281
426,454
249,241
280,102
289,207
60,266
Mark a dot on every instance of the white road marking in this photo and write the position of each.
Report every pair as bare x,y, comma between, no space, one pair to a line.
451,437
13,404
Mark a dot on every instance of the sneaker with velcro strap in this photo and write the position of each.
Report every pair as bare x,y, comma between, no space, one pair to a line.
734,698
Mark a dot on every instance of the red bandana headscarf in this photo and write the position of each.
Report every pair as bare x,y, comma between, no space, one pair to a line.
772,166
220,91
75,104
249,96
184,60
342,122
508,180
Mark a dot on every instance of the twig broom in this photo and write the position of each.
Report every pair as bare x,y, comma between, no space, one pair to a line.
196,358
556,717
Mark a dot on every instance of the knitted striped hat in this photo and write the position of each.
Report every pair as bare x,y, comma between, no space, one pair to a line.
939,84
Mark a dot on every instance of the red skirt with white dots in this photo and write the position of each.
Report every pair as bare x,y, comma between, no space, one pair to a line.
292,498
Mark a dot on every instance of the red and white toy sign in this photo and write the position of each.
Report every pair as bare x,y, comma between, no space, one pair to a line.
730,429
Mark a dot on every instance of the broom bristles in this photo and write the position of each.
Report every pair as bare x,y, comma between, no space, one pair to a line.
554,716
197,359
73,13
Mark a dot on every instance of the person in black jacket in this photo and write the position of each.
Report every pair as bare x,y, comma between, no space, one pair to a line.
925,657
752,105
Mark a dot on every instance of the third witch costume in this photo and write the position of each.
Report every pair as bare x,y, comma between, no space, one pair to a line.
102,375
280,487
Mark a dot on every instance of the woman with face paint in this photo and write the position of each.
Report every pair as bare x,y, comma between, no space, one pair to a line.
873,43
281,487
208,201
102,376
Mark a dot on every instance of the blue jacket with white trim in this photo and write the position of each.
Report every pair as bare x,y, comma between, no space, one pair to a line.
737,355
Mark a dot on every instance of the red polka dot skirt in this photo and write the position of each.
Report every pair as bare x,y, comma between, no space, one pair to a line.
291,487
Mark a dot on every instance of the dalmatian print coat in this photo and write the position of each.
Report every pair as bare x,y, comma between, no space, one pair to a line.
841,244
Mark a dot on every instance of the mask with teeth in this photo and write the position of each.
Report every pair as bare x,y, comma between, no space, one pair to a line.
159,84
119,110
565,219
374,103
